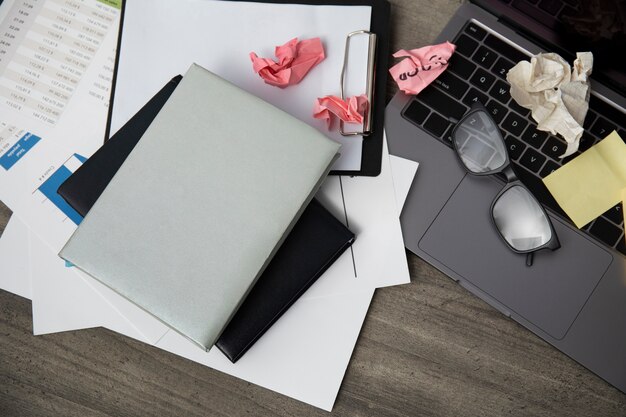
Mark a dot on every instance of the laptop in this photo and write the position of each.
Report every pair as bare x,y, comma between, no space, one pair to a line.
574,297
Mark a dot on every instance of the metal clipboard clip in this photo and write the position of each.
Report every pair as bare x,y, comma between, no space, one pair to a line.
369,87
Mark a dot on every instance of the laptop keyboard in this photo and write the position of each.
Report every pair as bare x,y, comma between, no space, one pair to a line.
477,72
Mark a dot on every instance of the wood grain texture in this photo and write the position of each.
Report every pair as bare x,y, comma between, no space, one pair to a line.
426,349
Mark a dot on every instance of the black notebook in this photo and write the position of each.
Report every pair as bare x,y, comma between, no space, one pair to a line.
315,242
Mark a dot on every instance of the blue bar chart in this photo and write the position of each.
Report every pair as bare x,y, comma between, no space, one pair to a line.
51,185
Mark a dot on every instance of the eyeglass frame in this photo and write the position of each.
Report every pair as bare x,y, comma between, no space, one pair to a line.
512,180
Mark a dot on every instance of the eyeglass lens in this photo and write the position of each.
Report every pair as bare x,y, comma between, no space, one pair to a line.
479,144
520,219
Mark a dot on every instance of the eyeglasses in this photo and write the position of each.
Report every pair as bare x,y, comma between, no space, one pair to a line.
520,220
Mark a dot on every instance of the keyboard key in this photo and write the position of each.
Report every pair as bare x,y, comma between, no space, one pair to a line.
569,158
508,51
461,66
514,124
548,168
442,102
534,137
447,137
484,56
482,79
496,110
552,7
521,110
436,124
532,160
607,111
554,147
475,96
538,188
586,142
605,231
501,67
451,84
514,147
465,45
416,112
615,214
500,91
621,245
589,119
602,127
475,31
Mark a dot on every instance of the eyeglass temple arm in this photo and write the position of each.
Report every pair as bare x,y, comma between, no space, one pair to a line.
509,173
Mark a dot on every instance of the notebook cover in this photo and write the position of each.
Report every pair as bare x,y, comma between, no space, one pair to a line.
314,243
202,203
317,234
84,186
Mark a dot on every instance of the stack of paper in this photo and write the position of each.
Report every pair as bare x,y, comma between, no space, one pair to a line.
322,326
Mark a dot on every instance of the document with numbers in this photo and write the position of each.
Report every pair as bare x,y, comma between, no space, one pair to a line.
56,67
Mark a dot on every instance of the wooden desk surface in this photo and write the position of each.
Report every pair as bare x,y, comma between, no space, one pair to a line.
426,349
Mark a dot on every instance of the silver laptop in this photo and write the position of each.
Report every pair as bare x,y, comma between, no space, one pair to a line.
574,297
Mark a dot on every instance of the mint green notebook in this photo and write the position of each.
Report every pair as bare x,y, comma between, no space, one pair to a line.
201,204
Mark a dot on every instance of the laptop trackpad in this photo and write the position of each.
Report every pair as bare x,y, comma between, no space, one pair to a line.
548,294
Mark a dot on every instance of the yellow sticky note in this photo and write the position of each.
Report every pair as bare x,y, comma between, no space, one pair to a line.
624,208
592,183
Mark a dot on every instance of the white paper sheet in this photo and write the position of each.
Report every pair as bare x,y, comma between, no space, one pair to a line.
55,79
14,259
403,173
220,35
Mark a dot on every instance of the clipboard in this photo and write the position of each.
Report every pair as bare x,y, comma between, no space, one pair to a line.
371,149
